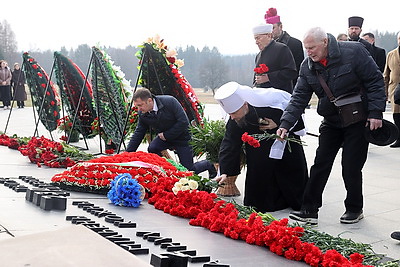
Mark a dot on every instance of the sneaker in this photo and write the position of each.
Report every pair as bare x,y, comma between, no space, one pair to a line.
351,217
395,235
304,216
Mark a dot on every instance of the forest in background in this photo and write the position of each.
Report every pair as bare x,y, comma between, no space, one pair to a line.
204,68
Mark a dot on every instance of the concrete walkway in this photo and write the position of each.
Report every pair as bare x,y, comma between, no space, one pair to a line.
381,194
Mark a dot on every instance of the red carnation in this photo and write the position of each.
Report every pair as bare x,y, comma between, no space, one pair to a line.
109,151
250,140
262,68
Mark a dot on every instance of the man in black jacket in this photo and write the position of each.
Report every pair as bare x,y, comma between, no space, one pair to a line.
281,36
378,53
347,68
165,116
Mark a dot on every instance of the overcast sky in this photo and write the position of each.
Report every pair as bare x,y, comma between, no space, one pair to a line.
225,24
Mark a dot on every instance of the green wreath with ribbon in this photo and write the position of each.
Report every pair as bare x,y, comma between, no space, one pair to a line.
70,80
43,92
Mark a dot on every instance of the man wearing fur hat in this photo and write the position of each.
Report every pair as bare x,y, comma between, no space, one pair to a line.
276,171
281,36
277,57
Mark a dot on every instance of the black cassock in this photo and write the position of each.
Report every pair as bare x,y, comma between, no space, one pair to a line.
271,184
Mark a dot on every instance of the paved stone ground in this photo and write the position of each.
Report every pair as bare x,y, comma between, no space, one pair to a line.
381,193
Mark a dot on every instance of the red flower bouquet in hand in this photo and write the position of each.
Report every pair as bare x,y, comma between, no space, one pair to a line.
261,69
250,140
254,139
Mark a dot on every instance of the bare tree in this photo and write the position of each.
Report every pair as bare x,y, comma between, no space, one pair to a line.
213,70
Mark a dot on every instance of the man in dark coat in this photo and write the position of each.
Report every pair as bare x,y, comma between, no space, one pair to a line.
378,53
164,115
347,68
277,57
276,176
281,36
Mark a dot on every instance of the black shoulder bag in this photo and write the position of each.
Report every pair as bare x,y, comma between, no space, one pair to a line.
350,106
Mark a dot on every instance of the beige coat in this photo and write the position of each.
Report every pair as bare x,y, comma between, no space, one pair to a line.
5,75
392,76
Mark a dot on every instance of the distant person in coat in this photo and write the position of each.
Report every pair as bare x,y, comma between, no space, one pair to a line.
276,174
392,79
18,83
378,53
5,81
277,58
281,36
164,115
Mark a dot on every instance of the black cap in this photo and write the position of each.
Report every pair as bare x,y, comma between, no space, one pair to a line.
383,136
356,21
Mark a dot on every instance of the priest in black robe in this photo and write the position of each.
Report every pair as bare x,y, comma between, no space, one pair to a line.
276,171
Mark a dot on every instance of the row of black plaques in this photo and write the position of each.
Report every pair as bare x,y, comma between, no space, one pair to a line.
49,197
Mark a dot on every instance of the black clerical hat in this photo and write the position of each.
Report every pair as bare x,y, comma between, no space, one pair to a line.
383,136
356,21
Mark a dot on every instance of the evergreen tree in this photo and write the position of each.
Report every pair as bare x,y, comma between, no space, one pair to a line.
386,40
8,44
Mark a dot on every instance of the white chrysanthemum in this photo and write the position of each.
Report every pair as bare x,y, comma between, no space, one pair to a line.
175,190
178,185
193,184
180,63
185,188
183,181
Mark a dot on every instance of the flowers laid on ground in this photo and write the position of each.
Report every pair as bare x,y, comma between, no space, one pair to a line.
13,142
126,191
96,174
239,222
205,209
160,73
261,69
184,184
41,150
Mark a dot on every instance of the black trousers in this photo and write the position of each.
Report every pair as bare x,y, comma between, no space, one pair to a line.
185,155
5,95
354,154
